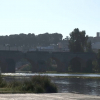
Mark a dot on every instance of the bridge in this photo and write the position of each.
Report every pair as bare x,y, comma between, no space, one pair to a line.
38,60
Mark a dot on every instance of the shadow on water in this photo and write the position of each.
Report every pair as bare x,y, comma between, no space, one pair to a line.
78,85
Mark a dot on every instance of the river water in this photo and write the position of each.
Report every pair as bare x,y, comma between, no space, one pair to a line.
78,85
89,86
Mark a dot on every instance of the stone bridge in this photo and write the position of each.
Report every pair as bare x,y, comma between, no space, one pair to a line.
38,60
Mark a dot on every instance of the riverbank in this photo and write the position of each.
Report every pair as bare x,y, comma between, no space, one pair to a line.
50,96
87,84
35,84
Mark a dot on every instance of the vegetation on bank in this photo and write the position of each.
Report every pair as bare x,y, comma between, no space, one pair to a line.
37,84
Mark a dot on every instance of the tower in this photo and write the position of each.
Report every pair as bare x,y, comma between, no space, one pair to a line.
98,34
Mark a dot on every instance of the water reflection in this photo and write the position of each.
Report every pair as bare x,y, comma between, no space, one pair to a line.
78,85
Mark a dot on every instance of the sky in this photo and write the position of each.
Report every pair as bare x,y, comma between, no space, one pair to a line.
41,16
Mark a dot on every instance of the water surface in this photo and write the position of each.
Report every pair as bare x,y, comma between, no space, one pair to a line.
52,75
72,85
78,85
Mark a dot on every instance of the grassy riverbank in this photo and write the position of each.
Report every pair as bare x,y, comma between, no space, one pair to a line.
36,84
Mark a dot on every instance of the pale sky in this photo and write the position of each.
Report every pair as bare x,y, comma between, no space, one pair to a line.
40,16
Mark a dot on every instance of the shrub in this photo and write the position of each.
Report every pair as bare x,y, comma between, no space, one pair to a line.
13,84
2,82
45,83
27,86
39,84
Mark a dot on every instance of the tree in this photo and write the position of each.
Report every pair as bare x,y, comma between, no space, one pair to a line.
55,38
89,47
78,41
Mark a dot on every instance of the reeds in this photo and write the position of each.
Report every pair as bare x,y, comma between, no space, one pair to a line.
36,84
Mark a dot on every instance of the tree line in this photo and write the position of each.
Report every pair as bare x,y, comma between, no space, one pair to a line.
31,39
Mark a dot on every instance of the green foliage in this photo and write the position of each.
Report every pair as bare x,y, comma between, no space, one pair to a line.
27,86
89,47
2,82
44,82
77,41
37,84
13,84
29,40
27,67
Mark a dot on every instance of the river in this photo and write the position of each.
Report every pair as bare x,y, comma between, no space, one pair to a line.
89,86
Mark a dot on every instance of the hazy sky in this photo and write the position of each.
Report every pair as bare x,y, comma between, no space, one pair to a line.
40,16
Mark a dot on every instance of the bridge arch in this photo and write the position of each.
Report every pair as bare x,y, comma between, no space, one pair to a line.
3,66
10,65
7,65
76,64
89,66
52,64
41,65
57,64
23,65
38,59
